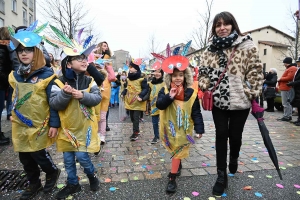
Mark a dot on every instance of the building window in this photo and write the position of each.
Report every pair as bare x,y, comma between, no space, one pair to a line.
30,18
31,2
14,5
265,51
264,67
2,6
25,22
25,2
1,22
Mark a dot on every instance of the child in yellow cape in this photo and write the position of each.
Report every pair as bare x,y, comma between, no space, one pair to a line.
34,123
75,95
180,113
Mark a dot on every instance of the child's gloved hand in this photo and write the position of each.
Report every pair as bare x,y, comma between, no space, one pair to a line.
198,135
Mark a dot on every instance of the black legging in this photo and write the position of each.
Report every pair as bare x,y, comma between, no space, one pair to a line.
229,124
270,103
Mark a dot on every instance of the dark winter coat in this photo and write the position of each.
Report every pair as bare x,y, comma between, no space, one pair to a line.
164,100
5,67
271,81
296,86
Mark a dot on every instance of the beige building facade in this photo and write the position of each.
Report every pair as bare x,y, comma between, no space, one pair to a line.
120,58
16,13
273,46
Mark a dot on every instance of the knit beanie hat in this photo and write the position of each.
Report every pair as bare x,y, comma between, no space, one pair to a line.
288,60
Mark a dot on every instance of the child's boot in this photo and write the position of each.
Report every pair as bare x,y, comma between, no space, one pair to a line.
68,190
51,180
221,183
94,182
32,190
172,186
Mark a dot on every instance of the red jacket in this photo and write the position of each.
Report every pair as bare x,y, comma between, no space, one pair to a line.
286,77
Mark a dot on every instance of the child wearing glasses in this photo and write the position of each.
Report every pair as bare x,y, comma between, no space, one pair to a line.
32,130
75,96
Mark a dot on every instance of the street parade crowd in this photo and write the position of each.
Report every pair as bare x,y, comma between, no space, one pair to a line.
75,94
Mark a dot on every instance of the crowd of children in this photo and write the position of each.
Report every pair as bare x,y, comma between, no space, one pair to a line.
76,97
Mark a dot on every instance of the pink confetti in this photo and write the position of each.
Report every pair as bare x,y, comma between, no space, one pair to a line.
195,194
280,163
204,165
280,186
297,186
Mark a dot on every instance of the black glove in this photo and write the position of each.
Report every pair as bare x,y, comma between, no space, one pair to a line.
290,84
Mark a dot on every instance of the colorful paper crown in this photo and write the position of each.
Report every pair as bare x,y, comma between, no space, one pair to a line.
71,47
27,37
174,61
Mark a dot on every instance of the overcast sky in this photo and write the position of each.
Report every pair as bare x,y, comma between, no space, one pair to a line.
128,24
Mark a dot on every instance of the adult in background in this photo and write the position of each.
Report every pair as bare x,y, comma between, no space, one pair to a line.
5,69
296,85
286,92
269,89
232,97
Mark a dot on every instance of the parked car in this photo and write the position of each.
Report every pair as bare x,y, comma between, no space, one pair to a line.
278,103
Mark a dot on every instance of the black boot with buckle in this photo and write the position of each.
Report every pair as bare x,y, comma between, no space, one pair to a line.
221,183
172,186
94,182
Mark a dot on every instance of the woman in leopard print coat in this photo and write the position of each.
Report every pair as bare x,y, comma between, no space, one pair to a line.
241,83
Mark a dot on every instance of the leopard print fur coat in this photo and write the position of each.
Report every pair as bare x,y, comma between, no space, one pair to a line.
233,93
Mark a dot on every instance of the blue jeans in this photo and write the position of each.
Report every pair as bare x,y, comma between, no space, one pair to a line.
2,100
155,120
70,165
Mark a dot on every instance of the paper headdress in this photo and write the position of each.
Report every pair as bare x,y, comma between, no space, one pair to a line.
71,47
102,62
27,37
174,61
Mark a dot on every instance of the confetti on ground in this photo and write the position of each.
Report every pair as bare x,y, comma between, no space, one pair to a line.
195,194
151,172
144,166
162,160
224,195
69,197
280,153
211,198
289,165
258,194
61,163
268,176
298,192
247,188
84,180
280,186
250,176
297,186
99,165
107,180
124,180
135,178
59,186
77,164
282,168
186,198
280,163
240,171
231,175
112,189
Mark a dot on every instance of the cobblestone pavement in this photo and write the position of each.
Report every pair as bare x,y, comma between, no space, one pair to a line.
124,161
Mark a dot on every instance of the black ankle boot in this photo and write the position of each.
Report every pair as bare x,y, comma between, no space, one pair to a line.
179,170
31,191
221,183
172,186
94,182
233,165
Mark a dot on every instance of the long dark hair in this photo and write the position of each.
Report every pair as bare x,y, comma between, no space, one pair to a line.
228,19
